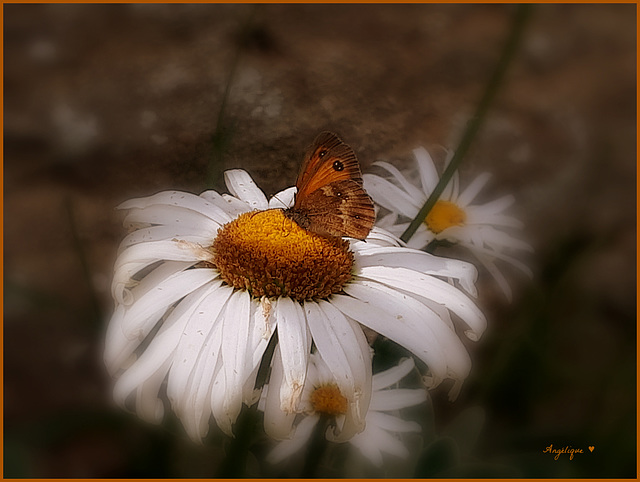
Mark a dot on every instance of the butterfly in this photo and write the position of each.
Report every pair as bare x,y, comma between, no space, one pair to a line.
331,200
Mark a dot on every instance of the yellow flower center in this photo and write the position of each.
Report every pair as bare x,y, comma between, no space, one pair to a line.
327,400
270,255
443,215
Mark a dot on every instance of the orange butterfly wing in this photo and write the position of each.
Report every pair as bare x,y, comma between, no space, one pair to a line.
330,198
340,208
326,161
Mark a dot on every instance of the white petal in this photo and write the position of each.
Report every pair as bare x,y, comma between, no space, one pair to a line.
289,447
421,238
196,410
164,294
194,336
359,358
428,174
497,275
342,346
318,373
411,190
260,329
387,443
116,343
119,348
161,347
418,260
392,423
460,234
277,423
163,233
229,204
242,186
353,422
440,310
171,216
393,375
123,279
388,221
387,400
450,191
490,254
413,325
390,196
218,397
235,359
149,407
472,190
476,216
125,291
145,254
368,446
183,200
381,237
293,339
497,206
284,199
432,288
404,328
250,394
499,240
328,335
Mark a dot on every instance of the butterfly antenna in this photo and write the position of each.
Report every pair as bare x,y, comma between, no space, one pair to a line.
283,230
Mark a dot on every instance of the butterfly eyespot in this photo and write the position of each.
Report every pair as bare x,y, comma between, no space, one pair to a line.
338,166
322,153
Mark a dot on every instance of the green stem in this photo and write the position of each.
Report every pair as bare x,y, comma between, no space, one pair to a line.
82,257
511,45
432,246
234,463
317,447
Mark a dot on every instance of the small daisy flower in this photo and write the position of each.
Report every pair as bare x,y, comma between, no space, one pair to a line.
202,283
321,397
481,228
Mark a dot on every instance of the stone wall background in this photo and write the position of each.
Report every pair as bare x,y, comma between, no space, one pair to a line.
107,102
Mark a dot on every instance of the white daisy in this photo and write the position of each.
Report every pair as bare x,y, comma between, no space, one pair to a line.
203,282
481,228
322,397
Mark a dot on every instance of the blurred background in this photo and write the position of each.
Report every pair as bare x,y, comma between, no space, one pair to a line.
106,102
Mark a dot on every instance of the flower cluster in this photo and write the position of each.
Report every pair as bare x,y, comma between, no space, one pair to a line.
483,229
322,397
203,285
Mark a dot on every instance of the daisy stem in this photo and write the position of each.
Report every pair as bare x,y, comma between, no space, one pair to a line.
82,257
510,48
234,463
317,446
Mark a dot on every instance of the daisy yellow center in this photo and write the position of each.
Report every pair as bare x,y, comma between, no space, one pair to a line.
443,215
268,254
327,400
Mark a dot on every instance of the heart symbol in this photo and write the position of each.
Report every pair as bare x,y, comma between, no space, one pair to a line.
591,447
